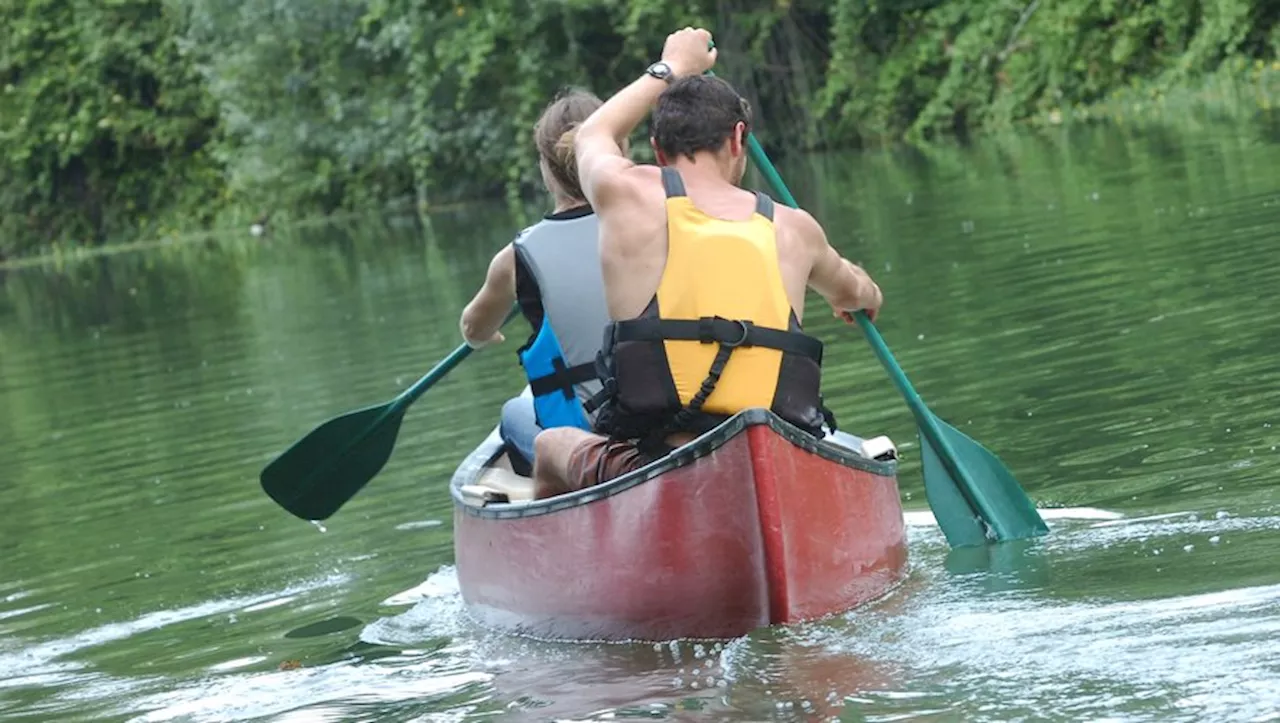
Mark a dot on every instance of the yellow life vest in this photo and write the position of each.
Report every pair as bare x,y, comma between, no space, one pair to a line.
718,337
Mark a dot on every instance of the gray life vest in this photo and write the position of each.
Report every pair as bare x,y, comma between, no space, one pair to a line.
561,293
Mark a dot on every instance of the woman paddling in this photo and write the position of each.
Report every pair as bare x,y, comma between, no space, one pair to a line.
553,269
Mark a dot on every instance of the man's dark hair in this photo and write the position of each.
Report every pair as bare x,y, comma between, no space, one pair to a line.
697,113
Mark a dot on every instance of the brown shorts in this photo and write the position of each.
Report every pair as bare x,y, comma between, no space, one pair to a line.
598,459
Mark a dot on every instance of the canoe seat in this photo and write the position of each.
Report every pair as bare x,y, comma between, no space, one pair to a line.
498,483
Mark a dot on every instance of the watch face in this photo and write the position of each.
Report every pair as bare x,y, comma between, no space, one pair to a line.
660,69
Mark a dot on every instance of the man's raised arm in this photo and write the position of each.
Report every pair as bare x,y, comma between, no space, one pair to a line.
602,166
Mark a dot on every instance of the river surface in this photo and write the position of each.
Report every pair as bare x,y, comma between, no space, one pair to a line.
1097,305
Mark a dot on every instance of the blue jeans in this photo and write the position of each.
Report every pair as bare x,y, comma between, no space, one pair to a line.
519,426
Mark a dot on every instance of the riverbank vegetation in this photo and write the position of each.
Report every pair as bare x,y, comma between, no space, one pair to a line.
140,117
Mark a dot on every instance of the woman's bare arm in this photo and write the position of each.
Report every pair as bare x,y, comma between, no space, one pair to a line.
482,318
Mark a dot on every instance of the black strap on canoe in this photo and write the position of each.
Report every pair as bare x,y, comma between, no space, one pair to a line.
563,378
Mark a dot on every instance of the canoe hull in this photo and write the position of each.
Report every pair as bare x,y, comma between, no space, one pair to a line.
753,530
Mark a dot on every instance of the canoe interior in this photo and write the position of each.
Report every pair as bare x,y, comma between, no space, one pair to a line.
486,485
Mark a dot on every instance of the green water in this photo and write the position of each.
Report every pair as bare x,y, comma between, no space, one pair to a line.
1096,305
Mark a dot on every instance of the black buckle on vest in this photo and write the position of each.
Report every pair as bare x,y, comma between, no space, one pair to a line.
707,331
746,327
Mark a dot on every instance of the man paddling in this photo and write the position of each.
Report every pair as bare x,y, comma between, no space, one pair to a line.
705,280
553,269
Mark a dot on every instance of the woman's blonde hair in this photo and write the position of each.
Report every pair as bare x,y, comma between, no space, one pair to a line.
553,135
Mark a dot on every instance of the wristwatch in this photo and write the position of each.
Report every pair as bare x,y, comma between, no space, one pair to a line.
662,71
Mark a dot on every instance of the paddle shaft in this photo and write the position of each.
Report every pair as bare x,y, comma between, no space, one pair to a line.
437,372
324,469
924,418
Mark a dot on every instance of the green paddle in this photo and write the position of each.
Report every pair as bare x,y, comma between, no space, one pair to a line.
973,495
321,471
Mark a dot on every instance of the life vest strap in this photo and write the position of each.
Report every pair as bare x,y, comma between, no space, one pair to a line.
608,390
714,329
687,413
563,378
673,185
828,416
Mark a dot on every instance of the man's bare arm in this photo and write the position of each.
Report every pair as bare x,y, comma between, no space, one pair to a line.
598,143
845,285
482,319
602,165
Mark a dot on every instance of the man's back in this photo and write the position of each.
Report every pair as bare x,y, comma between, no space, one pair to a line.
634,241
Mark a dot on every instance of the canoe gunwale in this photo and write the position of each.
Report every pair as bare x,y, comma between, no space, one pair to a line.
473,466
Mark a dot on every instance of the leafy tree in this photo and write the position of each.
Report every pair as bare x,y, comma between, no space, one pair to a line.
104,123
122,117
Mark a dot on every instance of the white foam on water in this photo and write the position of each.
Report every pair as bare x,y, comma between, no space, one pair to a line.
932,648
301,694
1078,513
1152,528
6,614
418,525
442,583
273,603
39,663
237,663
321,692
925,518
968,648
919,518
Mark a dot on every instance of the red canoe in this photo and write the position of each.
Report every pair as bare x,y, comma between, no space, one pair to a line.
752,524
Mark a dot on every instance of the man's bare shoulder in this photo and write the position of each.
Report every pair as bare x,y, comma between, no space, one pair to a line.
800,224
633,183
644,173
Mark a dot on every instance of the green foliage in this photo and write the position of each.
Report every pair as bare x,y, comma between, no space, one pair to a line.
341,103
122,114
103,122
313,116
945,66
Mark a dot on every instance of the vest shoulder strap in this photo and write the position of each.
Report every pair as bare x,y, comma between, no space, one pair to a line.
764,205
672,183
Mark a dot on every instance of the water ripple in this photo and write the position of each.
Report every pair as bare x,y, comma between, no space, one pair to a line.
1092,304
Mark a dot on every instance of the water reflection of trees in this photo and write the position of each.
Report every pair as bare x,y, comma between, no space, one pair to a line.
1073,274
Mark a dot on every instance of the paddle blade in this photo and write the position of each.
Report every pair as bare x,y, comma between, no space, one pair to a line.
320,472
974,498
960,523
